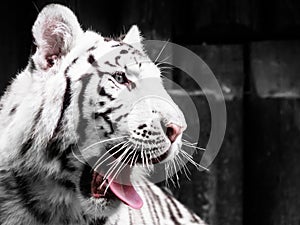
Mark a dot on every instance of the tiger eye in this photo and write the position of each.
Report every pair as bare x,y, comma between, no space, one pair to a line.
120,77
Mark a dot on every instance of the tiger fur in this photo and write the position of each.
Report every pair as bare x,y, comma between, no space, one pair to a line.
65,89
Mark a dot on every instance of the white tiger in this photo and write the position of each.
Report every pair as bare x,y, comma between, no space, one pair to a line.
52,109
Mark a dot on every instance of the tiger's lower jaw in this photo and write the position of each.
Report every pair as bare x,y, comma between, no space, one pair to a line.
120,189
93,185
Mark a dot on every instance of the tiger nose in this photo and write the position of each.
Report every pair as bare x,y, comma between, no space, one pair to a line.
173,131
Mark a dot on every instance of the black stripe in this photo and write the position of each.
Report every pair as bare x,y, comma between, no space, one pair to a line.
111,80
173,217
102,92
92,48
85,181
68,68
53,149
142,217
130,46
74,60
83,122
29,200
106,118
53,146
32,66
130,218
39,114
65,105
28,144
69,185
123,51
117,45
175,205
13,110
101,103
150,207
117,60
194,217
92,61
154,208
98,221
156,198
109,64
120,117
142,126
64,160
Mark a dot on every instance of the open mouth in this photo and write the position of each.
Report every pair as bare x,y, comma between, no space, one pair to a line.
160,158
93,185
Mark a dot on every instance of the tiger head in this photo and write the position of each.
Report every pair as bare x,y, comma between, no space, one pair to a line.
118,111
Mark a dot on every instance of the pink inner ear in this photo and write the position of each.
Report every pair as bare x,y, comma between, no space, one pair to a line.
55,37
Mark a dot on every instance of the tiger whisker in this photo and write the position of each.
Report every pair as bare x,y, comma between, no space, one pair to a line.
190,159
127,159
135,151
100,142
142,156
188,142
163,48
121,154
169,177
185,168
187,135
136,158
180,166
163,65
79,159
147,162
116,162
164,61
192,146
166,67
121,167
99,162
175,171
103,141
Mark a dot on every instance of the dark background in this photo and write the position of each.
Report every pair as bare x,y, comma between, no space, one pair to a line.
253,48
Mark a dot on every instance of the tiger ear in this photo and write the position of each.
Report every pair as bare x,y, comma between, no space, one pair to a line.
134,37
55,32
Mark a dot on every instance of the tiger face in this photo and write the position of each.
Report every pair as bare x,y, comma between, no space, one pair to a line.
129,101
119,113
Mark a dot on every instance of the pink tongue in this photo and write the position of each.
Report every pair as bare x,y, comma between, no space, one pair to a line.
127,194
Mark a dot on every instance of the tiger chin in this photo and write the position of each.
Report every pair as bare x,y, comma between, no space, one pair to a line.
79,134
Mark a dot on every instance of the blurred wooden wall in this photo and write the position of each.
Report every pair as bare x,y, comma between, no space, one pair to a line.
253,47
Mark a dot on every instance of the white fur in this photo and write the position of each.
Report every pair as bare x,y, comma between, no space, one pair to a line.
58,35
